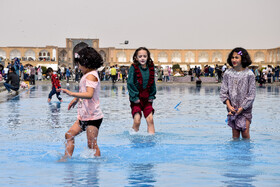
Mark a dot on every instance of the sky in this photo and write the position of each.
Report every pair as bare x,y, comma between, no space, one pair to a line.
155,24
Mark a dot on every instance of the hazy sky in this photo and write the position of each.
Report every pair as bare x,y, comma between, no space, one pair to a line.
166,24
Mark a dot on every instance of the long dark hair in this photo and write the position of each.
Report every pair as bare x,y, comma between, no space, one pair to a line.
89,58
245,57
149,60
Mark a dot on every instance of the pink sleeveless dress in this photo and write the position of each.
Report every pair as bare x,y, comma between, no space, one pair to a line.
89,109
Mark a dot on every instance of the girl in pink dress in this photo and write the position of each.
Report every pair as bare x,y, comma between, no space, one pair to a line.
89,113
238,91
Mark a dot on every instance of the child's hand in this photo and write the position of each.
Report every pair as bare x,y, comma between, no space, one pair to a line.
231,109
239,110
58,89
230,113
66,91
73,103
137,101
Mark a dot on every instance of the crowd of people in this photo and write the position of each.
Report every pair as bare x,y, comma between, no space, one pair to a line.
28,74
25,72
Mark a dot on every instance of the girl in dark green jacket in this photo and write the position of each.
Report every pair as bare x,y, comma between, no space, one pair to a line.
142,89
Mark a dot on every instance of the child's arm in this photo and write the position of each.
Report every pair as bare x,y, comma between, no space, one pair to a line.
250,97
83,95
224,92
153,91
132,88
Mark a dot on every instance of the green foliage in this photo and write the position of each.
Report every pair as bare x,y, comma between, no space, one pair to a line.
176,66
44,69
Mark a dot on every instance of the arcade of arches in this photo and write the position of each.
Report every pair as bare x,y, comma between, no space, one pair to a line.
53,56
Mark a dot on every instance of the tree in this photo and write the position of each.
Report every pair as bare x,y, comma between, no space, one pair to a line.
176,67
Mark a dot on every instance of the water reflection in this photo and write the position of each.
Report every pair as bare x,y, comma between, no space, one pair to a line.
55,114
88,177
141,174
123,90
114,89
272,89
14,115
239,159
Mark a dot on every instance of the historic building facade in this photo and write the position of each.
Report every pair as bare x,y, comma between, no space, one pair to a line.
53,56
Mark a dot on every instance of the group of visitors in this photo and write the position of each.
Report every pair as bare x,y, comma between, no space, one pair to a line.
67,73
15,72
114,73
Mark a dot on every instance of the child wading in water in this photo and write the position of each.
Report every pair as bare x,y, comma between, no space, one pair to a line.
142,88
89,113
238,91
55,85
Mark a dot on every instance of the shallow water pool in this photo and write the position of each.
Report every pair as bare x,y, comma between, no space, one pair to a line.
192,145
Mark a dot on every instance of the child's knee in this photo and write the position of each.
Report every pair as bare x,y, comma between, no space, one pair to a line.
137,118
69,136
150,118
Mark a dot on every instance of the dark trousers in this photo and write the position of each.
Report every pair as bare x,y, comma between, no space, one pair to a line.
123,77
32,77
9,87
53,91
114,78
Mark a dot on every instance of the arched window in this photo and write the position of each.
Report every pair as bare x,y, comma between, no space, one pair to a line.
217,57
121,57
15,53
162,57
29,55
176,57
131,57
152,57
203,57
3,54
189,57
259,57
270,56
103,55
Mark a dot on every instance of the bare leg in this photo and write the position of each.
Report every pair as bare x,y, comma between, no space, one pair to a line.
246,133
136,122
69,136
235,134
150,124
92,133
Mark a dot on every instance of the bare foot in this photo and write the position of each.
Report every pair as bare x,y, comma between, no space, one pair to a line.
49,100
63,159
97,153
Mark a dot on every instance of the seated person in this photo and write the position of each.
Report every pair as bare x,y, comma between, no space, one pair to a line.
14,79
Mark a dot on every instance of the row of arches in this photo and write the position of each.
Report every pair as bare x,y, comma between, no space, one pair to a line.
28,55
202,57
